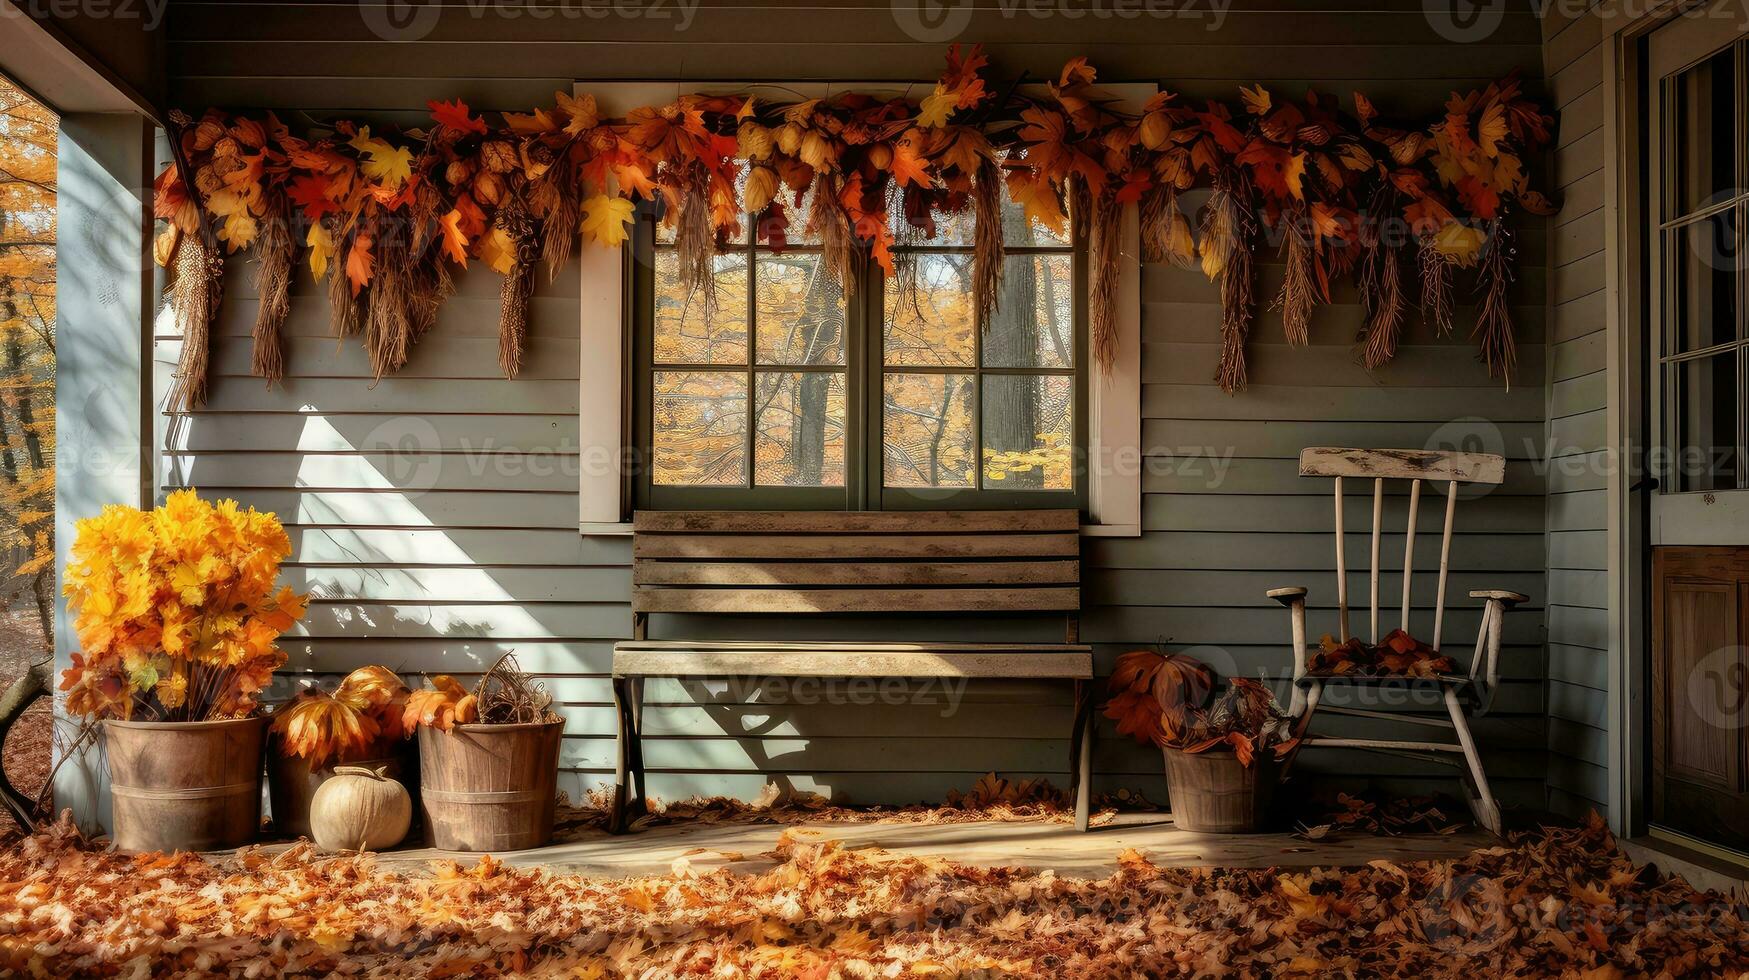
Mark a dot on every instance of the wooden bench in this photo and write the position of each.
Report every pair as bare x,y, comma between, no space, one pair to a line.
851,563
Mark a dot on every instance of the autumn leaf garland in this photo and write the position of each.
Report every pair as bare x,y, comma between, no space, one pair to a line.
384,217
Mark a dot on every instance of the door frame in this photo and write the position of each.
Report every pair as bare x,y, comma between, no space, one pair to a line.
1629,322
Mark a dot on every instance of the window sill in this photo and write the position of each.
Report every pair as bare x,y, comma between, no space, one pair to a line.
607,529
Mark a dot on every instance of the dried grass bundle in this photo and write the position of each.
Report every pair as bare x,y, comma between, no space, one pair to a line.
1435,287
276,252
1225,249
345,308
1382,294
1166,233
195,295
518,285
388,331
830,222
556,199
1298,292
1493,332
1105,222
695,238
987,264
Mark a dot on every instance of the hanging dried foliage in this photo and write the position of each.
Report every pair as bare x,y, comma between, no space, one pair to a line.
194,295
387,216
1493,330
276,255
1382,297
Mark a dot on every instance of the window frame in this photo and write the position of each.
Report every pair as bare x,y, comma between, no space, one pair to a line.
864,370
609,461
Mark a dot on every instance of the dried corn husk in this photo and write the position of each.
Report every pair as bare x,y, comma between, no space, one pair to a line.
276,253
518,286
987,263
194,296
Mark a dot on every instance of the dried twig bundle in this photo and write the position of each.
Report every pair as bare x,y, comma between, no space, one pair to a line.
276,251
556,198
987,264
1227,228
518,286
194,295
345,310
1435,288
1382,291
1493,331
507,696
1298,292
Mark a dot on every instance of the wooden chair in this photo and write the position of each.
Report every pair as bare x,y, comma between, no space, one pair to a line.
1460,693
801,563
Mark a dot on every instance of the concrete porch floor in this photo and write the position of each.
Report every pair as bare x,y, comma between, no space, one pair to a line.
742,846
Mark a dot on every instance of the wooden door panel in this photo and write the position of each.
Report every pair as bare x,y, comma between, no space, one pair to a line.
1700,679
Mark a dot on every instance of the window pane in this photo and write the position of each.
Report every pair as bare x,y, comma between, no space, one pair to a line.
1705,132
801,311
689,333
932,324
1706,422
798,439
1706,267
1033,324
926,430
699,430
1029,432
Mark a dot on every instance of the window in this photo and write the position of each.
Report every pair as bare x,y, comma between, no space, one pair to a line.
786,392
1703,356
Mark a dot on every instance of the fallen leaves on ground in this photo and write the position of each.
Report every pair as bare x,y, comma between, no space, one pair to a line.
992,797
1389,816
1397,655
1561,902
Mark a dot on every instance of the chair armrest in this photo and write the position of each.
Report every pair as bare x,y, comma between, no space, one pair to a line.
1289,595
1503,595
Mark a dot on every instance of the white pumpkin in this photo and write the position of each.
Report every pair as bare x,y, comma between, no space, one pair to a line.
359,809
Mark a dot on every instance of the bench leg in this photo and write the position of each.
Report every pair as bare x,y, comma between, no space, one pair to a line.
640,801
1081,754
624,742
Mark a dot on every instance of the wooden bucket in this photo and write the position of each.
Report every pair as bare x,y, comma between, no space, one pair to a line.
489,787
291,786
1212,793
185,785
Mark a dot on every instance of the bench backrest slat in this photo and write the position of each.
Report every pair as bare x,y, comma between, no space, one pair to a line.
855,562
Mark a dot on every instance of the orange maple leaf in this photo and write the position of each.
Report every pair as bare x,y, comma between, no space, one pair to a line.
359,263
454,115
908,168
455,241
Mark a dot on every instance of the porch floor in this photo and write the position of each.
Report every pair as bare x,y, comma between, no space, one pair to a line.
742,846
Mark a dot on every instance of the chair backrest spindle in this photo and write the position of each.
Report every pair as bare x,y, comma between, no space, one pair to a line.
1416,466
1409,548
1341,567
1378,523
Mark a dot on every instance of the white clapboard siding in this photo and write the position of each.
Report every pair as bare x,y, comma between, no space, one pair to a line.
434,544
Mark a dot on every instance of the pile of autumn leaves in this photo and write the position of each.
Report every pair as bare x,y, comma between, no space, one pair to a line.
1558,903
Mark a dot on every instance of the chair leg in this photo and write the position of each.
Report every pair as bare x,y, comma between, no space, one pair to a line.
616,814
1081,755
1482,803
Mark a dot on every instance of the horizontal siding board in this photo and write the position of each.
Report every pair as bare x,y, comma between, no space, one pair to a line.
1303,551
429,509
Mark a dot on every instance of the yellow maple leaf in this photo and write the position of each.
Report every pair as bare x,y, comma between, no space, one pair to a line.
937,107
494,249
321,250
605,219
388,165
1458,242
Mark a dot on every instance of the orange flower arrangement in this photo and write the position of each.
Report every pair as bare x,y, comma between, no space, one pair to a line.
358,720
177,610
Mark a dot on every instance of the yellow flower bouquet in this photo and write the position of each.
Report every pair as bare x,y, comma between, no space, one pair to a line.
177,611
